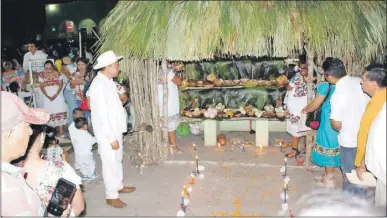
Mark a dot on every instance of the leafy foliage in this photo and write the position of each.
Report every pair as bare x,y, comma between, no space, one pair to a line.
195,30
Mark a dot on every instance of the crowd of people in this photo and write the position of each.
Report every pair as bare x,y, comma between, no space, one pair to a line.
32,160
94,108
351,135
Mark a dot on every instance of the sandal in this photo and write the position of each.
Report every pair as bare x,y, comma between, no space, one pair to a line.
295,155
326,183
173,149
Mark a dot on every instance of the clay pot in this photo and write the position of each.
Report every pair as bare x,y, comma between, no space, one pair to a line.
300,161
221,139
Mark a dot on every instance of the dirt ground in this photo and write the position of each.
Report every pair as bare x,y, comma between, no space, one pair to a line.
235,183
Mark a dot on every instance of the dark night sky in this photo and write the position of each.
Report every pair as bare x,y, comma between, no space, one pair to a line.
21,20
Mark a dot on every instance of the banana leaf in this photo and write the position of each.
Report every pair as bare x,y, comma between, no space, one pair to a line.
232,70
235,98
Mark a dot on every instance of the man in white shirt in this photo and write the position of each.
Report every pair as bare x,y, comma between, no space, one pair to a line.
33,54
348,104
173,104
109,123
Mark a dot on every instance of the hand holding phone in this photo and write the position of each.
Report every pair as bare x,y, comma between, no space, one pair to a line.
61,198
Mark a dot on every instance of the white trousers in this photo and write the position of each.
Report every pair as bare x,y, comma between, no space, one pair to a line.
86,163
380,194
112,171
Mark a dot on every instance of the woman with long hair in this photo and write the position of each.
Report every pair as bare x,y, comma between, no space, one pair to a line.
68,92
51,85
79,83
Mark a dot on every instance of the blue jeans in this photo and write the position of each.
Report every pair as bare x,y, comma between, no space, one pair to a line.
71,103
347,165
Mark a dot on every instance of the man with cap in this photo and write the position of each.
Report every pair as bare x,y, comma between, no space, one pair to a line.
17,197
109,123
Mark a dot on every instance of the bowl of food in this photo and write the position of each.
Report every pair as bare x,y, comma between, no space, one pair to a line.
243,80
208,85
200,83
267,83
228,82
196,114
218,82
188,114
192,83
269,108
260,82
238,114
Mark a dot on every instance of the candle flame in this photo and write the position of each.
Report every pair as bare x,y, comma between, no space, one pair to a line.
182,193
261,148
197,157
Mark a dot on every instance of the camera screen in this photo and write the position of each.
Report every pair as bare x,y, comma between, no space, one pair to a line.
61,196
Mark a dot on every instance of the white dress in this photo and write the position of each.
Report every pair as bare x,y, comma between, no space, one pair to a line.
58,107
295,102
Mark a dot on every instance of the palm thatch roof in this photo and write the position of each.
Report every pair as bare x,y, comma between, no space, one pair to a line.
197,30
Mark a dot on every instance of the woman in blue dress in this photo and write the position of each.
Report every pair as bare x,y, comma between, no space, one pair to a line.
325,151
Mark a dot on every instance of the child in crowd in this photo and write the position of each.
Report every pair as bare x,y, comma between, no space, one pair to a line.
53,151
83,142
127,104
77,112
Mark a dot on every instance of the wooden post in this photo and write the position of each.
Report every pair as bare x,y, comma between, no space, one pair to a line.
165,103
310,134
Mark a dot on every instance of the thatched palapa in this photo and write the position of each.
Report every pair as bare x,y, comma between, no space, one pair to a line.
354,31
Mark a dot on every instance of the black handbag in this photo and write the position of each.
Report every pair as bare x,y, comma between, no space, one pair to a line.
313,119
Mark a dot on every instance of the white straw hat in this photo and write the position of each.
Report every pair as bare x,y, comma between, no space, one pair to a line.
106,59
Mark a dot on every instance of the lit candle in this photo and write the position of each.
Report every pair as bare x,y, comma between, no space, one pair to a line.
285,193
261,148
197,164
194,146
182,201
286,165
218,147
192,179
243,148
185,190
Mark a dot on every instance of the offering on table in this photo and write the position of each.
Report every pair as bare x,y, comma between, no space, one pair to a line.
200,83
211,77
218,82
269,108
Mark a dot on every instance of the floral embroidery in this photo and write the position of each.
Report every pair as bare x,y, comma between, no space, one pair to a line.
291,117
300,85
326,151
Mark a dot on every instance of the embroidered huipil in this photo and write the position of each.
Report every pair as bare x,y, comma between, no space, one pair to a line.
17,197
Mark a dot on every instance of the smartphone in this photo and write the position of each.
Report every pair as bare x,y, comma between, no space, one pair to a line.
62,196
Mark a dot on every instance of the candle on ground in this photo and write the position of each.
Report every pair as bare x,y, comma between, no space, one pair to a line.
194,146
182,201
192,179
285,193
197,164
286,165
